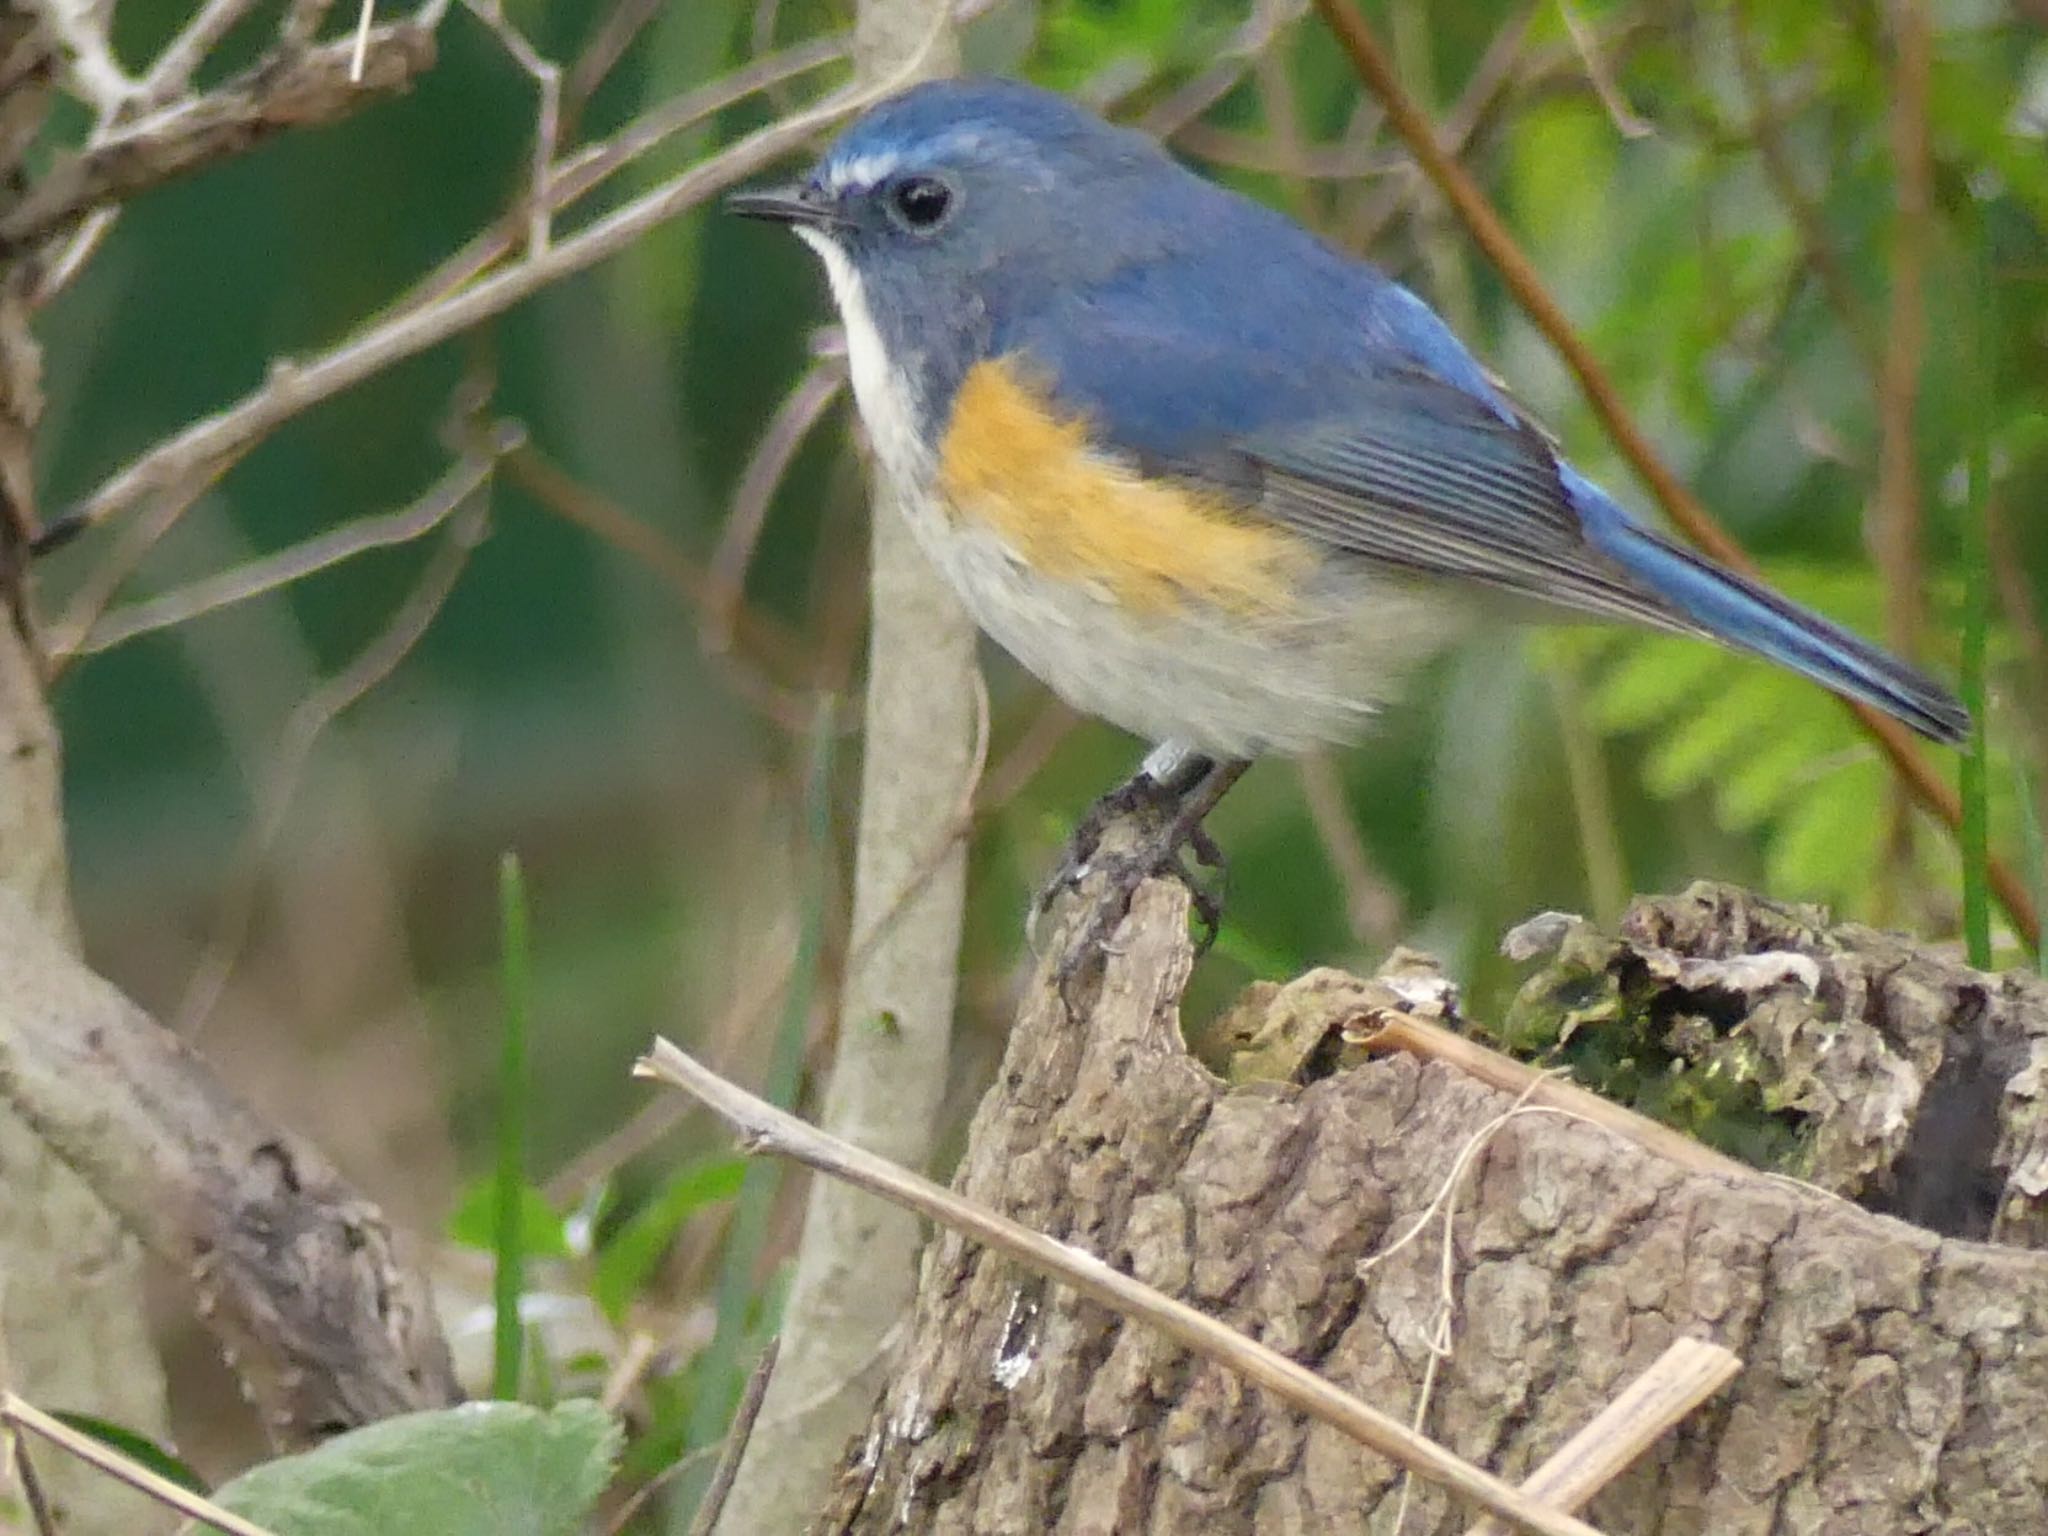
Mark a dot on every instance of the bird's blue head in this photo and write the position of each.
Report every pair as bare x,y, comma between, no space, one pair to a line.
949,208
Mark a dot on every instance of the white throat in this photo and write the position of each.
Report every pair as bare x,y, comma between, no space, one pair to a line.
883,394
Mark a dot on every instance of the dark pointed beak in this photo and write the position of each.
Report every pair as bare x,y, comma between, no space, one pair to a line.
786,205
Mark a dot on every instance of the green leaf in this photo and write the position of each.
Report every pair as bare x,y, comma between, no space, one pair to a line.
483,1469
1779,765
136,1447
1733,719
629,1258
1831,840
474,1224
1653,679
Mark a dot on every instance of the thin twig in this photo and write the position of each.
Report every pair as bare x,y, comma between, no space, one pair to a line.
15,1446
746,1018
188,133
295,388
1688,1373
1499,71
785,433
1626,121
97,1453
94,74
762,639
629,1371
131,547
763,1128
258,577
1233,61
583,172
1393,1031
601,55
1371,906
1485,226
362,40
1344,161
1766,129
182,55
301,24
302,730
713,1503
547,79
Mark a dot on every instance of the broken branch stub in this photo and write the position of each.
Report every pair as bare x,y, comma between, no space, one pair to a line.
1892,1380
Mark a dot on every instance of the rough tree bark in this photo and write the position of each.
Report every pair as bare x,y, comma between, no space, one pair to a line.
1893,1381
73,1332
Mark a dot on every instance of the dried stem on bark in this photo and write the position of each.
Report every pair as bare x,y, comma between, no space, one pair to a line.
1893,1380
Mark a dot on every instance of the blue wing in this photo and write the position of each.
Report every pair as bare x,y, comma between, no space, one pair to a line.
1382,440
1339,405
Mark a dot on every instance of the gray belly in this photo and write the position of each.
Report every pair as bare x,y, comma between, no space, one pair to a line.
1214,681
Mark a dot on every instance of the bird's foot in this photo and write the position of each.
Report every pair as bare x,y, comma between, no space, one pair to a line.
1160,834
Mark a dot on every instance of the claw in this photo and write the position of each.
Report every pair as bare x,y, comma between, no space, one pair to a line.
1168,821
1139,795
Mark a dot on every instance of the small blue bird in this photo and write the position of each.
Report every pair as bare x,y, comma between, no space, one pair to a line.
1209,478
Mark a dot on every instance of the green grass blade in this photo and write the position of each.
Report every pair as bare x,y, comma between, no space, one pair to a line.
508,1280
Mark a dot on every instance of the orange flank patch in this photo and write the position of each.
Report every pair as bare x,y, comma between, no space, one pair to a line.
1010,463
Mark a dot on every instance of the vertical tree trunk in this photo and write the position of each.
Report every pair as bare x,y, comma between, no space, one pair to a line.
856,1265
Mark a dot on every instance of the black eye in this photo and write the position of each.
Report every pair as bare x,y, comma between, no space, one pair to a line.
921,203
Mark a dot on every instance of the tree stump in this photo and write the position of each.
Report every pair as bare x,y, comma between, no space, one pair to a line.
1893,1380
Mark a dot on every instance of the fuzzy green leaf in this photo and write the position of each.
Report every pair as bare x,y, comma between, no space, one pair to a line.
483,1469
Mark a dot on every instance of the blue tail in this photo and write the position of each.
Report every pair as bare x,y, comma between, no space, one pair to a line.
1744,613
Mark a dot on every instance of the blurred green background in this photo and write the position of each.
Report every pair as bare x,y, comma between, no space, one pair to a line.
1710,192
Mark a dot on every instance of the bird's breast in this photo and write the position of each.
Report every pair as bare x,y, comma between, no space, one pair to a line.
1011,465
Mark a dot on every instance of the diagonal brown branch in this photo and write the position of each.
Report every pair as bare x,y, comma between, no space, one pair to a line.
1894,740
297,1274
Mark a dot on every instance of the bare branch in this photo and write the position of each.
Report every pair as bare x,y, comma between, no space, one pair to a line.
306,89
547,79
316,713
182,55
297,1274
94,74
292,389
736,1440
784,435
258,577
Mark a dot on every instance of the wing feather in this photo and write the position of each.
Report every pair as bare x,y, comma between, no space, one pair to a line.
1421,476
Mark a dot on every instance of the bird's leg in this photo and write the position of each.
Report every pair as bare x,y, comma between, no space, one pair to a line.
1151,794
1165,802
